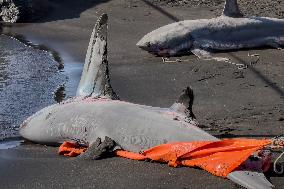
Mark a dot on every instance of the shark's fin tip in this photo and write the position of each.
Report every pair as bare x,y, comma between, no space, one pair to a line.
95,79
231,9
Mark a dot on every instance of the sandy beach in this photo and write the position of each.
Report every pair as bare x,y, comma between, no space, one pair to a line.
229,102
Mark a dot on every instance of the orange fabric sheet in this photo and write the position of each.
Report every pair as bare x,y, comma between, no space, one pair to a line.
70,149
219,158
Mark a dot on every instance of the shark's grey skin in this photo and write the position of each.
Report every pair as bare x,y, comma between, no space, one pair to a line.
230,31
94,114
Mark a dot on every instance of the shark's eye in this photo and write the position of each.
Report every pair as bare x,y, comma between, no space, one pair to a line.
148,44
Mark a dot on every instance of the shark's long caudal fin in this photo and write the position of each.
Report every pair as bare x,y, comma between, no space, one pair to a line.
184,103
95,79
231,9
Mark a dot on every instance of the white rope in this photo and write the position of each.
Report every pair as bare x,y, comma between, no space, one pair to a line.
275,165
239,65
167,60
278,142
254,55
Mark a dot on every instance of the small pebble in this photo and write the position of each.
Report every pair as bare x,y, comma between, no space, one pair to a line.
281,119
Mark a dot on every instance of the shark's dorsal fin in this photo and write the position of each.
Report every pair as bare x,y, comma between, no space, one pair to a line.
184,103
95,79
231,9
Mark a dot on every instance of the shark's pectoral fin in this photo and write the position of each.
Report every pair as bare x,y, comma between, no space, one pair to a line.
201,53
99,149
231,9
206,55
250,180
95,79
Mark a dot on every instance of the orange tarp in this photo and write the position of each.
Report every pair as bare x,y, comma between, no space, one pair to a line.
219,157
71,149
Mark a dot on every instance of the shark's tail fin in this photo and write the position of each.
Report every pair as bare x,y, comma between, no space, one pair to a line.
231,9
95,79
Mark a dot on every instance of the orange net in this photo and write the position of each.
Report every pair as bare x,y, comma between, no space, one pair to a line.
219,157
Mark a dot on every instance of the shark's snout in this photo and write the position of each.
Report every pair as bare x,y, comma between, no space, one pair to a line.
154,48
24,127
38,128
149,46
139,43
144,44
160,43
28,130
24,130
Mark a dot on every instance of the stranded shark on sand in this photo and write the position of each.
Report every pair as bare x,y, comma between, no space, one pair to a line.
230,31
96,113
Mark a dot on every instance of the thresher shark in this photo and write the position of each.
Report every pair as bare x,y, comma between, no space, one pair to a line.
230,31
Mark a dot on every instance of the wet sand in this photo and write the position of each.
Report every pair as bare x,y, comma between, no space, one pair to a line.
264,8
229,102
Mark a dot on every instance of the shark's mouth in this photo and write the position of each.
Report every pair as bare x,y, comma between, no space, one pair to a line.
175,50
164,52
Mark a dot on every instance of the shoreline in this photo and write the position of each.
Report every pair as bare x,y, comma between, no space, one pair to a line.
67,65
62,92
29,77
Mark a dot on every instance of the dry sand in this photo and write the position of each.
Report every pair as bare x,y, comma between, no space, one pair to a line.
270,8
229,102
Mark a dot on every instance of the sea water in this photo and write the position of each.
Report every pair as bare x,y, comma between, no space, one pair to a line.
29,80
